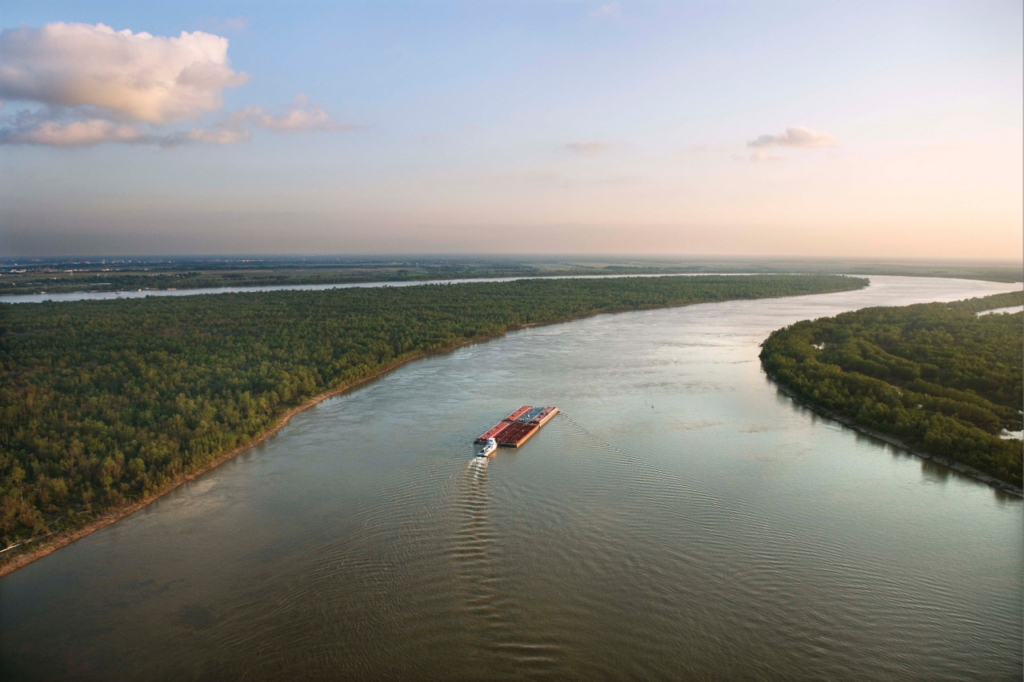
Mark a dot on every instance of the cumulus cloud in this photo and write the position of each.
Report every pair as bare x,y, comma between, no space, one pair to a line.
795,136
135,75
589,148
92,85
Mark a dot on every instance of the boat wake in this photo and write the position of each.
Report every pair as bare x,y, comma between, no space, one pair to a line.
473,548
493,615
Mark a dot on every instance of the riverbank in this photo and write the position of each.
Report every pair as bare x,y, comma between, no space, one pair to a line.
896,442
49,544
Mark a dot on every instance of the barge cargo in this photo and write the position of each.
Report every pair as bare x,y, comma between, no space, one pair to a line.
516,429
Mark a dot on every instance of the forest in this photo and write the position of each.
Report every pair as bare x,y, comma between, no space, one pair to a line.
108,402
111,274
203,275
938,376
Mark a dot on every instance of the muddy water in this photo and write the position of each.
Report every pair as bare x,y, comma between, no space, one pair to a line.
680,520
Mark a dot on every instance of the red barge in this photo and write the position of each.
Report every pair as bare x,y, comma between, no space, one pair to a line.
516,429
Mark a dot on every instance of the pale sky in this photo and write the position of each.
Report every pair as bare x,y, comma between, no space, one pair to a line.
867,129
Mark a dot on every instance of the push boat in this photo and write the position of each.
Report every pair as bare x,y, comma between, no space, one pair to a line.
488,449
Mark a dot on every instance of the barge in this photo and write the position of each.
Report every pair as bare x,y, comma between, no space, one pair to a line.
516,429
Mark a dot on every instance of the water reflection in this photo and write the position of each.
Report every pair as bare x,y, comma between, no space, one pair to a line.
934,472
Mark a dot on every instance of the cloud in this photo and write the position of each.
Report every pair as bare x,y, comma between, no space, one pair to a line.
90,85
75,134
795,136
589,148
91,132
33,128
212,136
761,157
132,75
610,10
300,116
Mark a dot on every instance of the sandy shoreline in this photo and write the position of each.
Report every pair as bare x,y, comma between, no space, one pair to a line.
892,440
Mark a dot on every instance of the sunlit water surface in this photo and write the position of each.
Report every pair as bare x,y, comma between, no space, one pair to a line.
682,520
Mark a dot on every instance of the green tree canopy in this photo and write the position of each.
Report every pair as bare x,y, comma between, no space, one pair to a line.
938,376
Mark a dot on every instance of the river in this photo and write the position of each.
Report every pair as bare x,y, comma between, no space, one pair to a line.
682,519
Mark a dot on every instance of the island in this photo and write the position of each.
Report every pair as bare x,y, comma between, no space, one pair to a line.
939,379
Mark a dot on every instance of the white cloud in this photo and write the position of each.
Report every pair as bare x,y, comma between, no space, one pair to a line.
589,148
90,85
74,134
133,75
795,136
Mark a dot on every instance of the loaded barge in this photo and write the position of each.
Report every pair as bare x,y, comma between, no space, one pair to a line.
516,429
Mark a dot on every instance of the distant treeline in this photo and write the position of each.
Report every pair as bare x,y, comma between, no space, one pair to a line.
125,274
105,402
55,283
938,376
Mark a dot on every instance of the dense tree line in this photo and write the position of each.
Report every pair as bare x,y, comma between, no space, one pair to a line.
53,283
104,402
63,275
938,376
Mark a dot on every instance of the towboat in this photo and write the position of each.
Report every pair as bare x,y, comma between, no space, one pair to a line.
488,449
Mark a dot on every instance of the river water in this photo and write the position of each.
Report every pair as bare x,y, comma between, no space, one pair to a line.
681,520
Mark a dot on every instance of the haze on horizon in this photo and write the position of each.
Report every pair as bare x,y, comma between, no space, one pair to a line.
876,129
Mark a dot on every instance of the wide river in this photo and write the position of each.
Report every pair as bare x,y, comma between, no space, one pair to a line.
681,520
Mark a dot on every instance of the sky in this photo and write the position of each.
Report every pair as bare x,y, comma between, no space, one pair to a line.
868,129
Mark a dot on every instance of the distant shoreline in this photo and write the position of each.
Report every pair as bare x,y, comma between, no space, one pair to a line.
123,294
187,289
892,440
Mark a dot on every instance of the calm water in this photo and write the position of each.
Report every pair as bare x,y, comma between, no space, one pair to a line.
682,520
999,311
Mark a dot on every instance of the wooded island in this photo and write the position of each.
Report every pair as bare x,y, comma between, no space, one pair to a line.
938,376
